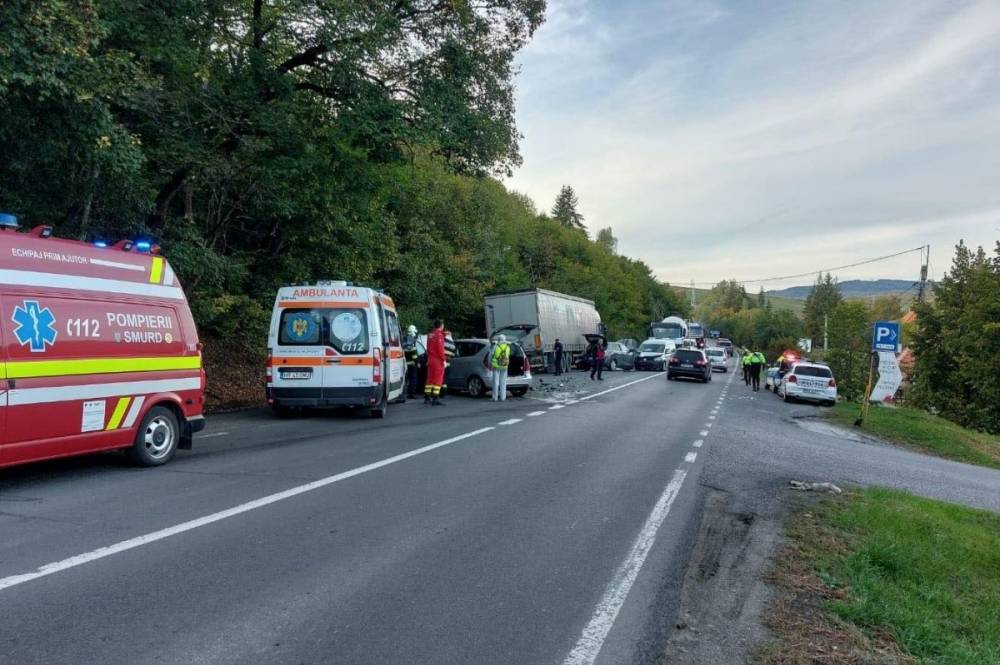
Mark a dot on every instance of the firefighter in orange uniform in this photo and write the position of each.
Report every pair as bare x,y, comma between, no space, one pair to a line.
435,364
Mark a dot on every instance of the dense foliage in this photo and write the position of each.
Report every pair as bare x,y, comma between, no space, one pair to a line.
957,342
749,321
850,334
820,304
265,142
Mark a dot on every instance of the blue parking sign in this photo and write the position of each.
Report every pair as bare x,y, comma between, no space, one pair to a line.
886,336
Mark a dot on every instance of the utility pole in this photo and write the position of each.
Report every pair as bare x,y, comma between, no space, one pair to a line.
926,256
692,294
826,341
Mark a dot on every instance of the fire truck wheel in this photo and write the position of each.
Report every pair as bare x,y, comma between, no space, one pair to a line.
156,440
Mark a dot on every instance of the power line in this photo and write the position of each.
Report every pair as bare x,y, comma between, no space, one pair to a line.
813,272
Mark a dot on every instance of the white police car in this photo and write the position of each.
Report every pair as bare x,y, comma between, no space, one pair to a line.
808,381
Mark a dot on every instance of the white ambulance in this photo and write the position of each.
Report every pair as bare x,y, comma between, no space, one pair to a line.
334,344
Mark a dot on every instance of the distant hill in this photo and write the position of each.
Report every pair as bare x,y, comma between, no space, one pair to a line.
853,288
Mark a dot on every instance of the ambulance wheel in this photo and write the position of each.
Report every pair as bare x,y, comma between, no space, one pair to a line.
379,411
476,387
157,438
282,411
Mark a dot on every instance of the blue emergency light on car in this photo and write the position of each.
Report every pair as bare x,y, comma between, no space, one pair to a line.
142,245
100,243
8,221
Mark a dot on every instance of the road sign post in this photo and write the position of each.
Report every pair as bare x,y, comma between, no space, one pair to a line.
885,336
885,339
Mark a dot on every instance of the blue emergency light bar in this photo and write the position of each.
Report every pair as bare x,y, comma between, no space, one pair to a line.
143,245
8,221
100,243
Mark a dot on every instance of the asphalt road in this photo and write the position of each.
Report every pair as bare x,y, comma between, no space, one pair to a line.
630,521
521,532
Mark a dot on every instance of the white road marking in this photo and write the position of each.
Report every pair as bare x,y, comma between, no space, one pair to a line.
703,432
589,645
556,407
512,421
690,457
139,541
536,413
715,410
212,435
624,385
711,417
709,425
698,443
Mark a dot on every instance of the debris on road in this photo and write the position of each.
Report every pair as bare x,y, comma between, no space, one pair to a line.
815,487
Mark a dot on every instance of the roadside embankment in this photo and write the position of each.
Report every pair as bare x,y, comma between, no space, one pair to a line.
881,576
921,431
235,375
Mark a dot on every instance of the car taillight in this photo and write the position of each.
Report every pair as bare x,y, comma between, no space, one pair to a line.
832,384
377,367
674,361
699,363
268,369
792,379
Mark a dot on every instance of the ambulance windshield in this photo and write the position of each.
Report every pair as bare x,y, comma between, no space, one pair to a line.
346,330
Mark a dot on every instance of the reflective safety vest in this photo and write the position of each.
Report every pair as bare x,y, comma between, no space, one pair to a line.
745,360
501,356
757,358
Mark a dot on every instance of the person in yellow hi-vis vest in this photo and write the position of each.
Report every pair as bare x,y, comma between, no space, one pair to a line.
499,362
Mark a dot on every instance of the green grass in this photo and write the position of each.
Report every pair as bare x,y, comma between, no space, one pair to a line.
921,431
924,572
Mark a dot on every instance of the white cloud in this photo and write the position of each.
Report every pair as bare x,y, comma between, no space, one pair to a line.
696,134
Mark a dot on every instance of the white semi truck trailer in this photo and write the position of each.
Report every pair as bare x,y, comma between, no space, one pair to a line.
535,318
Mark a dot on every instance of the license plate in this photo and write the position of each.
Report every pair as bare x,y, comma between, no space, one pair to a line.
298,374
686,365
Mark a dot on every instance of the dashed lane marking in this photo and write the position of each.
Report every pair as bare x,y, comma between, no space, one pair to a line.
536,413
690,457
556,407
698,443
212,435
703,432
512,421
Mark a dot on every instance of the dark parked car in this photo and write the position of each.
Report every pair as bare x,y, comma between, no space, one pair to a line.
691,363
726,344
468,370
618,356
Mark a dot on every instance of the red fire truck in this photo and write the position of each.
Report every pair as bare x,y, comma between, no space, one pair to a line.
99,350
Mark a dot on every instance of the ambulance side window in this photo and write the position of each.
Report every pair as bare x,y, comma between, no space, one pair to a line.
395,337
300,326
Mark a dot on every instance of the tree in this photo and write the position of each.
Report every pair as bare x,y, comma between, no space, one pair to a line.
887,308
850,346
957,342
822,300
606,239
565,209
761,298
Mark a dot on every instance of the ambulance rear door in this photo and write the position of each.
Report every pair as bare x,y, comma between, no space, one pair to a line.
299,353
351,337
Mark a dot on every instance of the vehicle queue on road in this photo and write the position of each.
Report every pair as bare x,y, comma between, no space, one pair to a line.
101,352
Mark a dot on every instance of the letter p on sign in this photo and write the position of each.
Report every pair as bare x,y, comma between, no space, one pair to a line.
886,337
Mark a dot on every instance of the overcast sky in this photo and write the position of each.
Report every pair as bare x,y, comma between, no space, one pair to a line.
748,139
